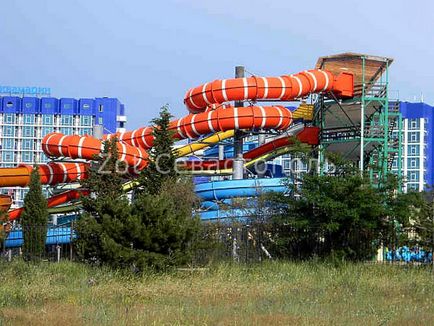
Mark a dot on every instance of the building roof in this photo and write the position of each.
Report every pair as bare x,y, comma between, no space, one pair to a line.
375,66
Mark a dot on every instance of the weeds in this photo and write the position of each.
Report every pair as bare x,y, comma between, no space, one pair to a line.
226,294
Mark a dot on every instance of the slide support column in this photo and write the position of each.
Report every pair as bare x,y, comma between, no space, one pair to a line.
238,165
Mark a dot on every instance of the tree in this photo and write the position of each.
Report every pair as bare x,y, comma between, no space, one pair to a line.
163,228
106,209
157,229
340,215
34,219
161,161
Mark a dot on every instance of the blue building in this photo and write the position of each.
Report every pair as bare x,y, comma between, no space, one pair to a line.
24,121
417,145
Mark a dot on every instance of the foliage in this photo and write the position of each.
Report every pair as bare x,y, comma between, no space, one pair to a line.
106,208
161,161
157,229
340,216
34,219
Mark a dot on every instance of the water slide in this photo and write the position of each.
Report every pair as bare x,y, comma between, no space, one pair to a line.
208,115
224,191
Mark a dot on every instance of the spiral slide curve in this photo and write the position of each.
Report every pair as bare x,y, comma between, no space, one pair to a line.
208,115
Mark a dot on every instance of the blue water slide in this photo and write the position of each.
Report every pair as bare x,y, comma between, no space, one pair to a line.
55,236
239,215
220,190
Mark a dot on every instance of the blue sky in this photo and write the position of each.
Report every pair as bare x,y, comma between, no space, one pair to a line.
148,53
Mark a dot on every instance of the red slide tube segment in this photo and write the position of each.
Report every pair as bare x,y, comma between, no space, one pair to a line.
5,202
221,119
53,201
308,135
86,147
283,88
52,173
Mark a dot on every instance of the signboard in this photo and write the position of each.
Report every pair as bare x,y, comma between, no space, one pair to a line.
23,91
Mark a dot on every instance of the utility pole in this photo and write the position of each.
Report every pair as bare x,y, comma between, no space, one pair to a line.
238,165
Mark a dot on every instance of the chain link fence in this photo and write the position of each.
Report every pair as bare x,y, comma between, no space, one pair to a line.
39,242
221,242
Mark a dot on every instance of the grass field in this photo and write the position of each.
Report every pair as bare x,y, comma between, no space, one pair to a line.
268,294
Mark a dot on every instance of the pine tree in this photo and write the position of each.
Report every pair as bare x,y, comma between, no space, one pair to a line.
106,209
34,219
161,162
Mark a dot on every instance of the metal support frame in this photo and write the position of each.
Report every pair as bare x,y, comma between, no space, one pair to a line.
238,165
372,137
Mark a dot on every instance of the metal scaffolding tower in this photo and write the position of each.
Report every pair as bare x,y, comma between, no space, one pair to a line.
361,128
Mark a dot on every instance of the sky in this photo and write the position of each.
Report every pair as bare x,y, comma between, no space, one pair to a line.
149,53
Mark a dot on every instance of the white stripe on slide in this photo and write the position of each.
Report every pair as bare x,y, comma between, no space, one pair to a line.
264,79
210,126
139,156
59,146
236,121
280,117
246,88
80,146
50,179
264,116
78,168
144,138
327,80
315,83
225,96
47,150
178,127
133,140
124,152
191,100
193,127
300,86
65,172
204,94
283,87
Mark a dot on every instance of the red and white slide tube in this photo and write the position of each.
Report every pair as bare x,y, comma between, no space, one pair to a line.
53,201
284,88
51,174
87,147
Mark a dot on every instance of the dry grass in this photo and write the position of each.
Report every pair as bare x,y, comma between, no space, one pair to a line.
269,294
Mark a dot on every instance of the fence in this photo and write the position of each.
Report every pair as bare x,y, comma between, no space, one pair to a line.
221,242
28,242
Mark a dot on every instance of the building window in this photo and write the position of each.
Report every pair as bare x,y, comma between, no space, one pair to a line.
8,131
28,144
28,157
414,124
8,143
413,163
85,120
413,137
8,156
66,131
9,118
66,120
28,131
413,150
46,131
29,119
100,120
413,186
100,108
48,119
413,176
